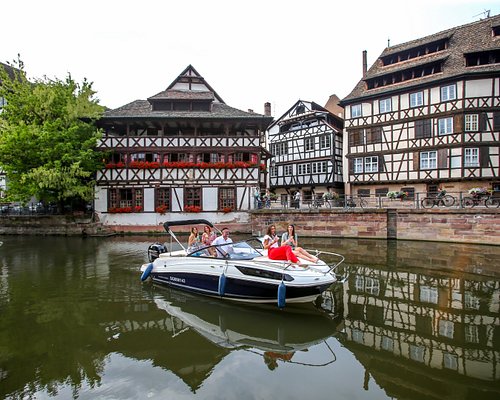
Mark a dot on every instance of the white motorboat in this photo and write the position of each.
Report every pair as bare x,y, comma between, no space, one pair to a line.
244,274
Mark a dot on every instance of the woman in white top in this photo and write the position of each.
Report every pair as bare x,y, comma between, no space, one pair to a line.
274,250
289,238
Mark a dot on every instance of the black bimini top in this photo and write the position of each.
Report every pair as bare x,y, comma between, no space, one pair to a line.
168,224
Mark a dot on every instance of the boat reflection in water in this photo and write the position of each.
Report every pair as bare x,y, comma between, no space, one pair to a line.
276,335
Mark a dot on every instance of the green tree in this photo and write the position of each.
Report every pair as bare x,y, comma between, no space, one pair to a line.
48,137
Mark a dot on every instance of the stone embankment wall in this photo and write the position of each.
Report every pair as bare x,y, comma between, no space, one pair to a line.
51,225
481,226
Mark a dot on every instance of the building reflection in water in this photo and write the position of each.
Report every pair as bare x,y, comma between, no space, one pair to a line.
417,331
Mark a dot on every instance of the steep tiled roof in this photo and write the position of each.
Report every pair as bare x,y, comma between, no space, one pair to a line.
183,95
142,109
470,38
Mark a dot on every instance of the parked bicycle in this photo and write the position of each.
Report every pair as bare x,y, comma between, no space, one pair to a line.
320,202
352,202
440,199
480,199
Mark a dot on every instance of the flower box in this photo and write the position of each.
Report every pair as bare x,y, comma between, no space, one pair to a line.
397,195
192,209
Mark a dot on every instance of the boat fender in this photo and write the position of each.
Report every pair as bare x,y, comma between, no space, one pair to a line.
147,272
222,284
281,295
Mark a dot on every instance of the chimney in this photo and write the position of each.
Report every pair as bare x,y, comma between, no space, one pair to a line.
365,68
267,109
250,110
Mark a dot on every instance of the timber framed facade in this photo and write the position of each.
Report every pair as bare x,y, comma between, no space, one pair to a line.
427,114
306,144
182,150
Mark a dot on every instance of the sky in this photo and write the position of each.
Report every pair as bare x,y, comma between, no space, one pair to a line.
250,52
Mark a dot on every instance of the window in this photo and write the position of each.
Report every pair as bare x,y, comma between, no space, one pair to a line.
445,126
192,197
450,361
416,99
371,164
126,198
288,170
227,198
279,149
429,294
364,192
358,165
471,301
356,137
448,92
274,171
428,160
373,135
309,144
417,352
356,111
410,191
471,334
319,167
387,343
381,192
163,198
304,169
385,105
423,129
471,122
471,157
325,142
446,328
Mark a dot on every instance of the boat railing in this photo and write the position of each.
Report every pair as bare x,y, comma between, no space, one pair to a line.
333,267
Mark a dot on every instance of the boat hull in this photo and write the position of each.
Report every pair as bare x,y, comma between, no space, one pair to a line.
241,289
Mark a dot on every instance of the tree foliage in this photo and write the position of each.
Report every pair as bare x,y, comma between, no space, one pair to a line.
47,137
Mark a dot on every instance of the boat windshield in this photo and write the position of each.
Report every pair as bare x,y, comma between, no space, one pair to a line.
233,251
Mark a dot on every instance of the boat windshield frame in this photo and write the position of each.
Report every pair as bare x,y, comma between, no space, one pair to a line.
241,250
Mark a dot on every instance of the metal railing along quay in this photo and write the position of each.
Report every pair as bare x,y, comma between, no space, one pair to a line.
419,200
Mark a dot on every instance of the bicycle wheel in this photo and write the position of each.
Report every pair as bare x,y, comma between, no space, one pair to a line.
468,202
362,202
448,200
427,202
327,204
492,202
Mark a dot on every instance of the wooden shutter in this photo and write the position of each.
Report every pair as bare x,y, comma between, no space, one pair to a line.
381,163
419,129
351,166
483,122
442,160
484,156
416,161
458,123
496,121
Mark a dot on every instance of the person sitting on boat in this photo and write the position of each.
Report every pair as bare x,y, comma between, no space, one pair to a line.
207,238
289,238
193,240
274,250
223,244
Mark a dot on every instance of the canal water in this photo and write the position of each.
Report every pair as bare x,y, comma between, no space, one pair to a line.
413,321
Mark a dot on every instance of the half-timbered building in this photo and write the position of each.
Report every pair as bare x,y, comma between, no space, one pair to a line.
306,144
182,150
427,113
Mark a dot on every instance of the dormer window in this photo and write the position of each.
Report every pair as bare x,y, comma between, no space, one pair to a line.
495,31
